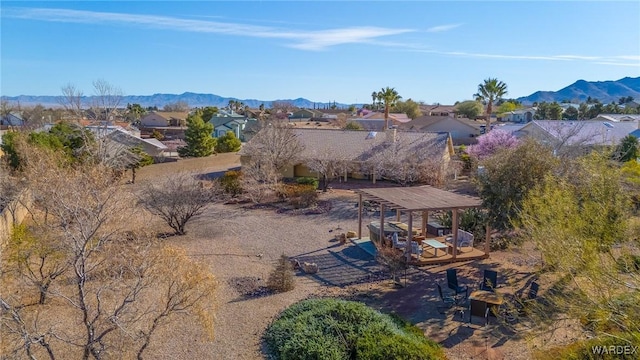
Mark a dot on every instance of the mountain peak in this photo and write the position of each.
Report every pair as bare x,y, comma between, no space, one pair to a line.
605,91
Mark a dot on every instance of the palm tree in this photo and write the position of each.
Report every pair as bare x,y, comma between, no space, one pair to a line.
374,97
389,96
489,92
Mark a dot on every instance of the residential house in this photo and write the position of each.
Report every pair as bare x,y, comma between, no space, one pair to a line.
226,121
520,116
463,131
11,119
164,119
305,115
374,121
120,138
616,117
438,110
362,148
568,137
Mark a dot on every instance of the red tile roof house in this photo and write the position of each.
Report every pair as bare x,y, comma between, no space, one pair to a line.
366,151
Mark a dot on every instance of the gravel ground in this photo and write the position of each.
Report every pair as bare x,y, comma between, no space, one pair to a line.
241,245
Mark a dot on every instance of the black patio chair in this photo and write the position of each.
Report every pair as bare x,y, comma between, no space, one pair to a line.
531,297
447,301
452,282
489,281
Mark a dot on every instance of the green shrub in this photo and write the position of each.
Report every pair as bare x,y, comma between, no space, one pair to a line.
339,329
282,278
231,183
584,350
307,181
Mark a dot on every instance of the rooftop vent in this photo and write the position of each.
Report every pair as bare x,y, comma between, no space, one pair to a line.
371,135
609,125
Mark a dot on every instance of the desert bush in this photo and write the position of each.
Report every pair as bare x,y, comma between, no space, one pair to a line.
628,263
299,196
282,278
339,329
307,181
231,182
392,259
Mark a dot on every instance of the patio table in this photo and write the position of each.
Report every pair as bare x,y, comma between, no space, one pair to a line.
434,244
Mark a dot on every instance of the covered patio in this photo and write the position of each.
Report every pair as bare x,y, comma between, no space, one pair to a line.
422,199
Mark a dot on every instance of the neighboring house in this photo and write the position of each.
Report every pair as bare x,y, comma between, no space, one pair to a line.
568,137
104,128
520,116
119,137
362,147
163,119
616,117
463,131
438,110
305,115
226,121
11,119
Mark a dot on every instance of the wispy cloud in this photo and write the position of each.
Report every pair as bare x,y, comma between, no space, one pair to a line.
620,60
441,28
299,39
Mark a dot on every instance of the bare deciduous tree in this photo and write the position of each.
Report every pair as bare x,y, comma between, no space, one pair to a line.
409,160
178,199
275,146
328,165
71,101
280,110
121,285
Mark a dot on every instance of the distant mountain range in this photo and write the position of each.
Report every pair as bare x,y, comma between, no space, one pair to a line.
160,100
605,91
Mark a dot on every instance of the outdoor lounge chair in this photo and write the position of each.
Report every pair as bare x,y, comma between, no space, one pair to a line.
452,282
465,240
416,249
448,301
397,243
489,281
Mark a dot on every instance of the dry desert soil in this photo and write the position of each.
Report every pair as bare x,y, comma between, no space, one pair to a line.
240,244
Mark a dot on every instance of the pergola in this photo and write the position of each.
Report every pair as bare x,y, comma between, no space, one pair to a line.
422,199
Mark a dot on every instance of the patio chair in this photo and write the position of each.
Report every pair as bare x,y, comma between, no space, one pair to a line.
416,249
452,282
447,301
397,243
519,305
489,280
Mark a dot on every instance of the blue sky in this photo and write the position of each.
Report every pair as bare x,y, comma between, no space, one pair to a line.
320,50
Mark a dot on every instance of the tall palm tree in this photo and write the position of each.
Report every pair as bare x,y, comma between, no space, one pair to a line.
489,92
389,96
374,97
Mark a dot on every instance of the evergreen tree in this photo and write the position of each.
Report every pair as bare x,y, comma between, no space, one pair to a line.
198,137
228,143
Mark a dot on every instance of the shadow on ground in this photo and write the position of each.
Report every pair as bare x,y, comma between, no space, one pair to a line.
348,266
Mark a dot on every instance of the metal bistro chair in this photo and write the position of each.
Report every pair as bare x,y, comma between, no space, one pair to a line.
452,282
449,301
489,280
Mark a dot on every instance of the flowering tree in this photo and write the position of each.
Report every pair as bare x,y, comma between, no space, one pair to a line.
489,143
